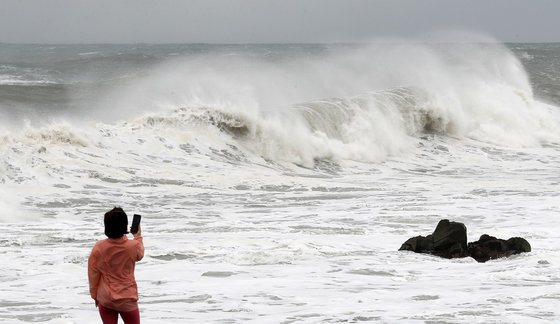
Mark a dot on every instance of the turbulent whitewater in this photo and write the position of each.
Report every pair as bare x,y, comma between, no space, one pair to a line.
277,182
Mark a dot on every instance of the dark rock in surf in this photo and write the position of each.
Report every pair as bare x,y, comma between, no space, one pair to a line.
449,240
419,244
488,247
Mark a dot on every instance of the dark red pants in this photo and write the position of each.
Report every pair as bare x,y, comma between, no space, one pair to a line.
109,316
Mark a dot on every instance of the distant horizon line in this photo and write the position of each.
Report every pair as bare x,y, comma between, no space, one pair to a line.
279,43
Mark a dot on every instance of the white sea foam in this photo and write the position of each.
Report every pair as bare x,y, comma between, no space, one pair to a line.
279,189
13,208
12,80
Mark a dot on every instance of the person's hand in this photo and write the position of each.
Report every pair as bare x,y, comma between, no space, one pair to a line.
139,233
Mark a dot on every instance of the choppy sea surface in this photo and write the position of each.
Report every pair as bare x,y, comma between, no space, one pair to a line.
277,182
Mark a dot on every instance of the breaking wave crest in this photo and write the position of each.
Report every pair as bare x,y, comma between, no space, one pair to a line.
364,104
361,103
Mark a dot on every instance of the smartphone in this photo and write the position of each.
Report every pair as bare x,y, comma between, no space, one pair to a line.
135,223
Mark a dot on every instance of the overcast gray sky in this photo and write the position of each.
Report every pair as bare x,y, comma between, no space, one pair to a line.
272,21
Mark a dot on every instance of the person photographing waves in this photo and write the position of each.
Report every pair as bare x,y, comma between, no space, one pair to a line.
111,270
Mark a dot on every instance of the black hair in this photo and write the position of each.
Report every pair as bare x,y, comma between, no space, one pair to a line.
116,223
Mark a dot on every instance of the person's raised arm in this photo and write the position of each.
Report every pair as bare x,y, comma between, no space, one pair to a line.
140,249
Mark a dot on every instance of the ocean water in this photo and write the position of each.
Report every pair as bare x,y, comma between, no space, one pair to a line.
277,182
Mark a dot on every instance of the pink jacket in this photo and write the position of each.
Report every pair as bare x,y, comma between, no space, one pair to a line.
111,272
